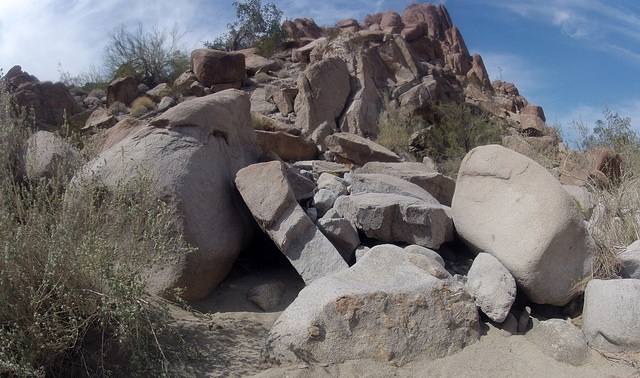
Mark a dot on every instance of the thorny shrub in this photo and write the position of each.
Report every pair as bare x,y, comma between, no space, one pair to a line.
72,295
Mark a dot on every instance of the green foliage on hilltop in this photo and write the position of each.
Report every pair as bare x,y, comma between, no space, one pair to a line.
151,57
444,132
257,26
613,132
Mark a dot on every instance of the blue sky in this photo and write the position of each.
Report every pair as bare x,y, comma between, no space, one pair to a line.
569,56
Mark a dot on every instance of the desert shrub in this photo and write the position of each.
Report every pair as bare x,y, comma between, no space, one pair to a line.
151,57
141,106
117,108
72,293
615,223
396,126
257,26
262,78
457,129
444,132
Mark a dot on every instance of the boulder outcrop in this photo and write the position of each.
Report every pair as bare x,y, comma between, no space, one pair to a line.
213,67
396,218
368,312
50,102
323,91
192,153
511,207
122,89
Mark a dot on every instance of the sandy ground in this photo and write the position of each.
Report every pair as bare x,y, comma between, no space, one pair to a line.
228,331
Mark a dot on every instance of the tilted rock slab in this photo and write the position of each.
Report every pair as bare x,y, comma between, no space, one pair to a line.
192,152
492,286
611,314
394,218
267,193
437,184
511,207
351,148
323,91
391,306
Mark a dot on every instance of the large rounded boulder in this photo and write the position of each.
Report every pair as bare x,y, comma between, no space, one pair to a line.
192,152
511,207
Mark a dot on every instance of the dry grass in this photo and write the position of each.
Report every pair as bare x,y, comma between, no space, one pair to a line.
262,78
72,297
141,106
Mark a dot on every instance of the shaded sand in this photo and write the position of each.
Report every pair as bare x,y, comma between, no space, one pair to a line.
229,332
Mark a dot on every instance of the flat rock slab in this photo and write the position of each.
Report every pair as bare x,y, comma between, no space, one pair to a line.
381,183
269,197
358,150
437,184
394,218
392,306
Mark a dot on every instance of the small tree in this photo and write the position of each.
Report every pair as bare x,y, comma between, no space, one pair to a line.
614,132
151,57
257,25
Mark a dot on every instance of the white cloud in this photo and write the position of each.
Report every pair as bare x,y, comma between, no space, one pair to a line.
605,25
39,34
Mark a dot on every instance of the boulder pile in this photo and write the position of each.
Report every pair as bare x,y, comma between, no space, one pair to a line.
399,260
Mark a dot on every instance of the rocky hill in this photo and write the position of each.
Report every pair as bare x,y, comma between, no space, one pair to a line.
399,262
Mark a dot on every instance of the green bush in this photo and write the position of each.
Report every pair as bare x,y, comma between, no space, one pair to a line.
72,292
151,57
396,126
444,132
257,26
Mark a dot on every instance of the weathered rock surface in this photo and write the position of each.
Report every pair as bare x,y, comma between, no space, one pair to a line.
257,63
438,185
323,200
266,191
561,340
414,248
47,155
391,306
492,287
323,90
394,218
213,67
354,149
610,314
511,207
100,118
267,296
288,147
342,234
123,89
380,183
585,200
333,183
630,261
192,152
